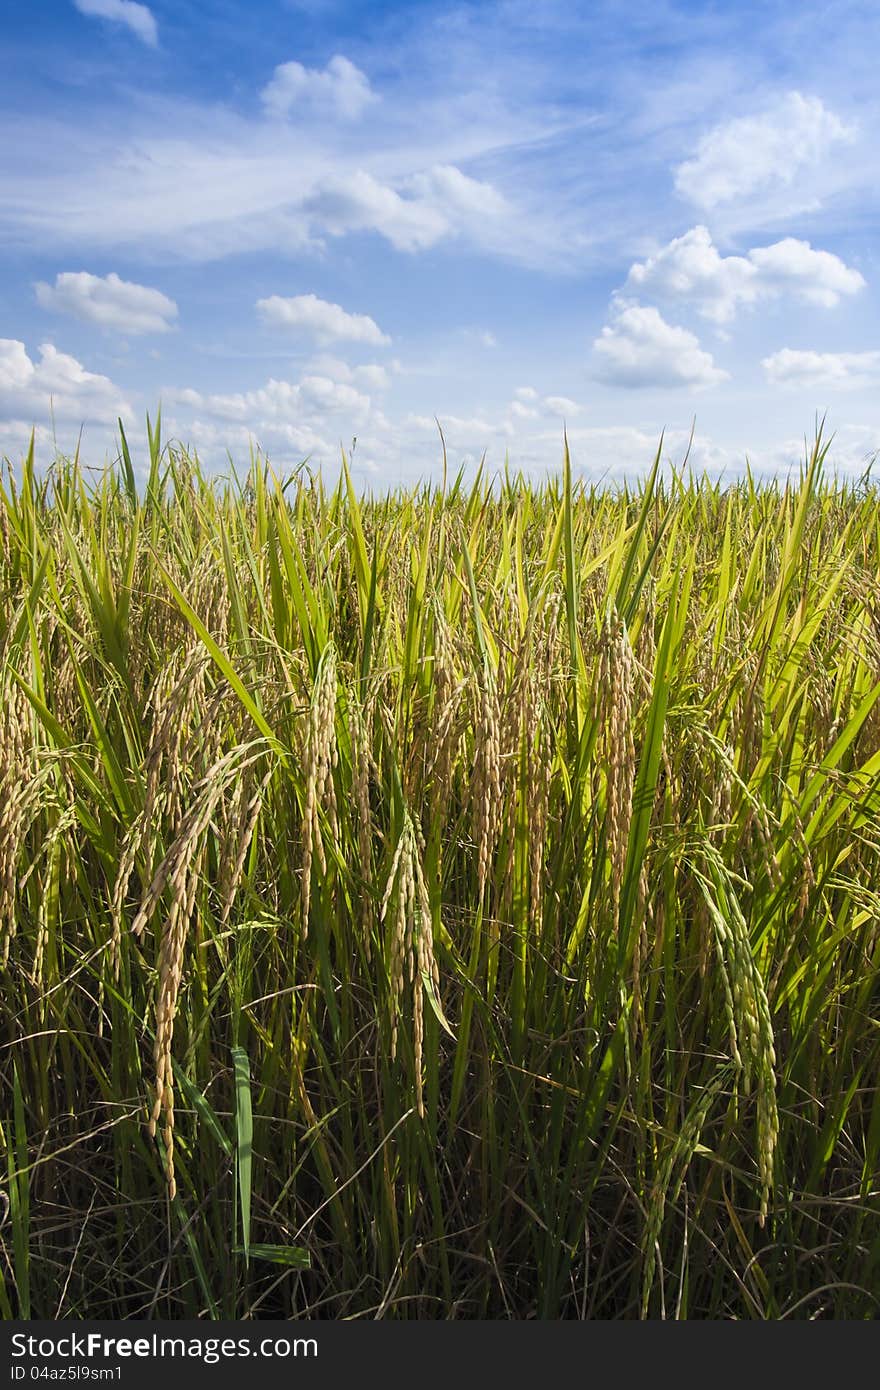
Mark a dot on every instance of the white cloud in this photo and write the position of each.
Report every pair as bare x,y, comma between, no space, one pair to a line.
816,276
288,419
640,349
341,89
523,412
108,301
138,18
526,393
612,453
327,365
465,429
848,370
562,406
15,438
360,203
438,202
446,187
16,368
313,396
284,441
372,375
403,176
324,321
754,153
431,205
29,388
690,267
852,448
322,394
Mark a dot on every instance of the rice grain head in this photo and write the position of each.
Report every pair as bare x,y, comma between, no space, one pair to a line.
486,789
616,698
321,756
413,964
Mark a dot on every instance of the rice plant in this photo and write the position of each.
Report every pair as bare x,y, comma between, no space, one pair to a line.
455,903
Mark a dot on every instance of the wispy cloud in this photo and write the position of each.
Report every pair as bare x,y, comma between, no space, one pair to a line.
108,301
419,161
293,190
138,18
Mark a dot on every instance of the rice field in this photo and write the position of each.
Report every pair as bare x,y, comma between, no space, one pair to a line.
457,903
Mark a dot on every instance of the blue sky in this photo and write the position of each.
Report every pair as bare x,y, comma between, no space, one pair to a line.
303,221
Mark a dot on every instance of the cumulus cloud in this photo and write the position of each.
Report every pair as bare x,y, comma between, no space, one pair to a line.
289,420
324,321
848,370
313,396
751,154
15,437
68,183
108,301
295,198
690,267
435,203
816,276
562,406
617,452
459,428
283,440
445,186
30,387
852,449
360,203
640,349
371,375
340,89
322,394
302,416
138,18
311,416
